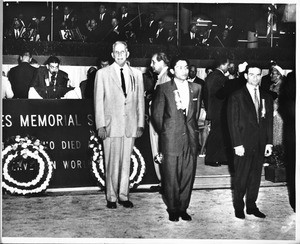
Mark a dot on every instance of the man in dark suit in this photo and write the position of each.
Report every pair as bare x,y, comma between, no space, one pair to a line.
161,34
150,28
49,81
216,153
21,76
192,37
250,121
104,22
175,110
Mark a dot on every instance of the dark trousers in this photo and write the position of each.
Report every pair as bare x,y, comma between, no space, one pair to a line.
178,174
247,179
215,145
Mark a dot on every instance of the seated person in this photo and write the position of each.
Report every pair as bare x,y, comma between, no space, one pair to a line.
92,32
49,82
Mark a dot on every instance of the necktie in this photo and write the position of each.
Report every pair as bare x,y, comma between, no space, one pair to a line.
256,103
123,82
52,82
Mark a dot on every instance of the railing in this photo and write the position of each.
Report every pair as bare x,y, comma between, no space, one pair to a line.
283,56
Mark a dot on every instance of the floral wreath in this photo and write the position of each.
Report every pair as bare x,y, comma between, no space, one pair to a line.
137,166
27,151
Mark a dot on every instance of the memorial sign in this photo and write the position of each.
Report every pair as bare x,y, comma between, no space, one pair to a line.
64,127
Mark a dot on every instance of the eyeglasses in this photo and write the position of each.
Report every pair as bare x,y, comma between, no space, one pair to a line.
119,53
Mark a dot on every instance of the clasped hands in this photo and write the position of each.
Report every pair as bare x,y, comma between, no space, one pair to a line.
103,134
240,150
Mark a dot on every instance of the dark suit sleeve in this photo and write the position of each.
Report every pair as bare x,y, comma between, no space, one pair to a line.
199,101
157,108
270,120
233,111
36,77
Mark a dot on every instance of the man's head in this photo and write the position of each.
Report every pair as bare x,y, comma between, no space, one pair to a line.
151,16
52,64
114,22
104,63
159,61
222,62
93,24
193,28
120,52
26,56
253,74
231,68
192,71
180,68
123,9
67,10
102,9
161,24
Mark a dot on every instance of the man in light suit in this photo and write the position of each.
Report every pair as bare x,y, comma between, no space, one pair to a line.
250,121
176,109
159,64
119,116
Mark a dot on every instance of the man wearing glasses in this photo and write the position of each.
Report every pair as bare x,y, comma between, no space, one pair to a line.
119,116
49,81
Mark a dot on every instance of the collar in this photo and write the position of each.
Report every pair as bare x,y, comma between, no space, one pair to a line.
163,71
117,67
221,71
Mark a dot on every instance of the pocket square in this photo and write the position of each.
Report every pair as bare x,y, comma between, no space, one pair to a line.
195,99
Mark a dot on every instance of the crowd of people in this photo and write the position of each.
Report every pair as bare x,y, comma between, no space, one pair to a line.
108,26
240,108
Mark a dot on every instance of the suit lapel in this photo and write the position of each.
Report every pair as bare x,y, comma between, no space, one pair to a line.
190,110
250,103
115,77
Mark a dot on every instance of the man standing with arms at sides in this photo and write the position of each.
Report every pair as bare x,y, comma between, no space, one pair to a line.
250,120
216,151
159,64
176,109
119,117
21,76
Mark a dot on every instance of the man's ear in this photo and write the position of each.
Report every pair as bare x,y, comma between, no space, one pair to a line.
172,71
246,76
127,54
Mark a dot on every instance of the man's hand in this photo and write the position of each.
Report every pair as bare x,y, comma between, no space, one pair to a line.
102,133
268,150
239,150
139,131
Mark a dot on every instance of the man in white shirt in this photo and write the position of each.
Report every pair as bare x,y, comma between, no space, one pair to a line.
119,116
250,122
176,109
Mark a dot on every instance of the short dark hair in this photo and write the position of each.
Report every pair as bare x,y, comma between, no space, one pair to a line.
252,65
26,53
173,63
176,59
221,59
53,59
163,56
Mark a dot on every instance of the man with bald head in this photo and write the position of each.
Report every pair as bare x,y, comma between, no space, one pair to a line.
119,116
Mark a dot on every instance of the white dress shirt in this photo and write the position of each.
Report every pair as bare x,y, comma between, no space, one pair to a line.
184,92
251,91
126,75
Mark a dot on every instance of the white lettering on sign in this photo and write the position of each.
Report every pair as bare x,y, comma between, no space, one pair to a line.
90,118
73,164
70,144
21,166
6,120
38,120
